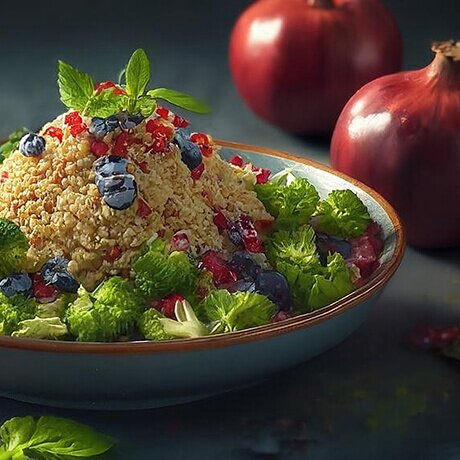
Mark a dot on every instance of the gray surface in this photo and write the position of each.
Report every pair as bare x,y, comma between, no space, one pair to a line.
370,396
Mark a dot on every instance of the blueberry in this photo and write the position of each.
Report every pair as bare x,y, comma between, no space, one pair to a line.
243,285
244,264
119,192
235,236
55,272
128,121
32,145
275,286
101,126
191,155
110,165
182,137
328,244
17,283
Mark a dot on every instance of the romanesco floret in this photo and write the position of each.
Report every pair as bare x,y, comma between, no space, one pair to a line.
159,273
113,309
13,247
13,310
150,325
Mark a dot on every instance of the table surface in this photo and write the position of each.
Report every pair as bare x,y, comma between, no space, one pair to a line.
369,397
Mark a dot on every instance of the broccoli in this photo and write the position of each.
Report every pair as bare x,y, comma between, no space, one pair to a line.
150,325
113,309
13,247
41,328
343,214
158,274
235,311
13,310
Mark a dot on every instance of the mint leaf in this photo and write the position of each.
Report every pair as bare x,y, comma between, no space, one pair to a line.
104,104
145,105
75,87
12,144
180,100
137,73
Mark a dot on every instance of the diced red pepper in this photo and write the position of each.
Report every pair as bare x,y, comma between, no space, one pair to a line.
114,254
54,132
162,112
75,130
180,122
99,148
237,161
73,118
203,141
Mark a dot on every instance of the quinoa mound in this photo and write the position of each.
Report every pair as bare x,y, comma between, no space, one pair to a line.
55,201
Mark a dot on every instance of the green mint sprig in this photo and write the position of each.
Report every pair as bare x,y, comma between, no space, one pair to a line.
12,144
77,90
52,438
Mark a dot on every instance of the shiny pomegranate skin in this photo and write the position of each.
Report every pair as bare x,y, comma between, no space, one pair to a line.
400,134
297,62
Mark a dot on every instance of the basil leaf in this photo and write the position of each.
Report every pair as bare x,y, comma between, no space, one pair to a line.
63,437
17,432
137,73
180,99
75,87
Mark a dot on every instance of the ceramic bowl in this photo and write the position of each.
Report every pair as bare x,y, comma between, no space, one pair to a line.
148,374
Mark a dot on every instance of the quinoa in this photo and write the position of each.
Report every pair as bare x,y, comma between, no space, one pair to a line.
55,201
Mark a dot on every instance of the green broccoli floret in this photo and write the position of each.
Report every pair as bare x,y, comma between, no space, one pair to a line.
13,310
228,312
57,307
158,273
41,328
342,214
150,325
113,309
13,247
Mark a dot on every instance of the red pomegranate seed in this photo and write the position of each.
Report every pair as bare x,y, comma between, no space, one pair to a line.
159,145
262,174
220,221
249,234
197,172
119,91
75,130
99,148
73,118
105,85
203,141
180,241
180,122
143,209
114,254
167,305
43,292
263,225
237,161
221,273
155,125
122,143
162,112
54,132
3,176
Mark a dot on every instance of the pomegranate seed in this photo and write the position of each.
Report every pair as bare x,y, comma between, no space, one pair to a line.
43,292
203,141
3,176
263,225
180,122
159,145
197,172
114,254
221,273
143,209
167,305
237,161
162,112
75,130
118,91
155,126
262,175
249,234
220,221
99,148
73,118
122,143
180,241
105,85
54,132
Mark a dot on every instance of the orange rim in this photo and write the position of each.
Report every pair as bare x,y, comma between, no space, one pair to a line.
249,335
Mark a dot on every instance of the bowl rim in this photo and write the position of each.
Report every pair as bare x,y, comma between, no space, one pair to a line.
267,331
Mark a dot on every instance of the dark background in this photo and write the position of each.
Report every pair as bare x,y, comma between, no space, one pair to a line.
370,397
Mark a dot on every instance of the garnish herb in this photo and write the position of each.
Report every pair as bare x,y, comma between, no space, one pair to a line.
12,143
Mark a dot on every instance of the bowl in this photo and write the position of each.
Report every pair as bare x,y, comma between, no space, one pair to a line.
140,375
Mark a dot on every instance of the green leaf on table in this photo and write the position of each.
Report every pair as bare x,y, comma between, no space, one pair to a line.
12,144
75,87
180,100
137,74
17,432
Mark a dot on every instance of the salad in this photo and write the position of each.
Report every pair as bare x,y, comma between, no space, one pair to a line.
119,223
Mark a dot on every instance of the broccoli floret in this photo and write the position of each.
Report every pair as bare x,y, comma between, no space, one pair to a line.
234,311
41,328
13,247
150,325
158,273
113,309
13,310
